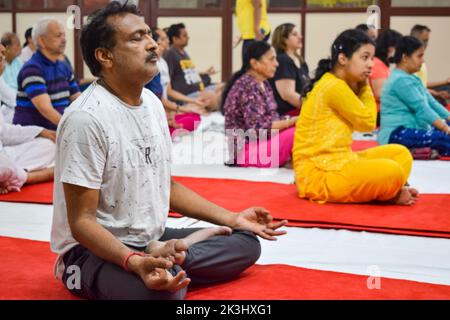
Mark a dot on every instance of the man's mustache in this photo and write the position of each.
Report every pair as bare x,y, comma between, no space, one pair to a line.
151,56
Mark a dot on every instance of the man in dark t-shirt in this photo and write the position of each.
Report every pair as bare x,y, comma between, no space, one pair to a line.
183,75
184,78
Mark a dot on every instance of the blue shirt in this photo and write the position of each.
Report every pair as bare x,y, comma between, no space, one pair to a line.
406,102
40,76
155,86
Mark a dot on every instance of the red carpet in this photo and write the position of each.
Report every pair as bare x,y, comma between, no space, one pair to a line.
27,266
27,271
429,217
39,193
363,145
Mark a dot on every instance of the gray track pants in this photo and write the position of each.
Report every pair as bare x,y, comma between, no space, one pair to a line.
216,259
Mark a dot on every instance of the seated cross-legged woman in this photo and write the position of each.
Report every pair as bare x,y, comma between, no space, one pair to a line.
341,101
409,114
256,135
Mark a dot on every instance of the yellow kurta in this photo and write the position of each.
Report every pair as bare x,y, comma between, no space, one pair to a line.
325,166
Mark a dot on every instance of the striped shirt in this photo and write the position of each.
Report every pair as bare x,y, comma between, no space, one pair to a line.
43,76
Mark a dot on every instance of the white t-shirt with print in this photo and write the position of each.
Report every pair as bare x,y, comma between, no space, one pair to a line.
123,151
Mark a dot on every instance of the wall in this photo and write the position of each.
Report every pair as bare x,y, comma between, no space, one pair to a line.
205,44
5,23
275,19
438,52
322,29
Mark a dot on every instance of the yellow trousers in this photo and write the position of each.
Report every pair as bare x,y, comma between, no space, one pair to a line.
379,174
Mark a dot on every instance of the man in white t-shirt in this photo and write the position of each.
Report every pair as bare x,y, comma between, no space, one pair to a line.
113,186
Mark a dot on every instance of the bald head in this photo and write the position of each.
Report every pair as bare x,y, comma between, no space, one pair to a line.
422,33
11,43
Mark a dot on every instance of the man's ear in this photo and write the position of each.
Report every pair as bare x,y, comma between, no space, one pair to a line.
104,57
41,42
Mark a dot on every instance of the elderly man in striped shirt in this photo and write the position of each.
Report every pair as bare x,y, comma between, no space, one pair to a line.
46,83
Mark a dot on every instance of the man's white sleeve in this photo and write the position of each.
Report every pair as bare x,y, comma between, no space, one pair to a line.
81,151
12,135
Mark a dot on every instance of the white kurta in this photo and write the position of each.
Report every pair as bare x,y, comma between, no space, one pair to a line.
21,151
8,101
15,135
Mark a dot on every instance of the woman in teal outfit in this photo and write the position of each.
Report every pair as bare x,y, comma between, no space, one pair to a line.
409,114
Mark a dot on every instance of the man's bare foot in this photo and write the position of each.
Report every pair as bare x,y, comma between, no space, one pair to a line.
414,192
3,190
7,175
174,250
207,233
406,197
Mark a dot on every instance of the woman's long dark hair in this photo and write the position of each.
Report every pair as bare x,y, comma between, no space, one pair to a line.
347,43
385,40
255,51
406,46
28,35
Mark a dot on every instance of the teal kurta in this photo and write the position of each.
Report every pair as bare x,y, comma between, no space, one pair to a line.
406,102
11,72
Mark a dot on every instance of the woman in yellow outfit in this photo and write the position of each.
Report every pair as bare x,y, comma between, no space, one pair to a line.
341,101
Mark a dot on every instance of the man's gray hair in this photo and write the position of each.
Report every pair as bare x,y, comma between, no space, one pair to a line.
40,28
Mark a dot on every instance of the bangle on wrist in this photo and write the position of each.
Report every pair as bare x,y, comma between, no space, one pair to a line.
127,258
